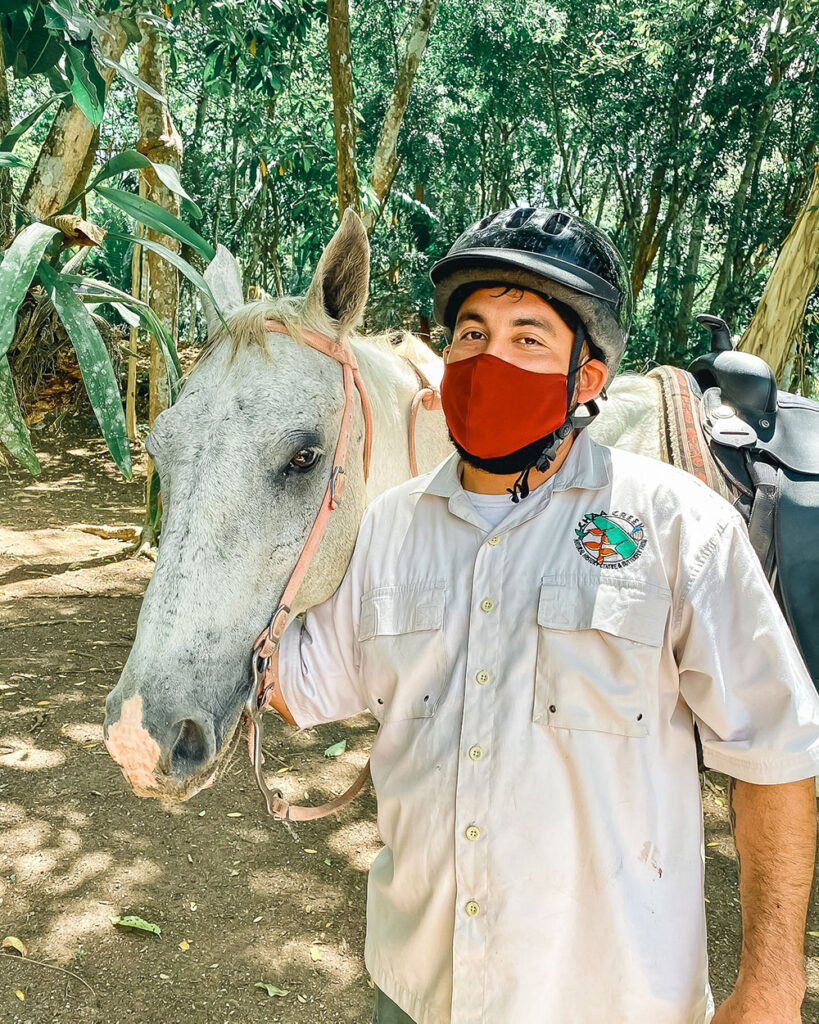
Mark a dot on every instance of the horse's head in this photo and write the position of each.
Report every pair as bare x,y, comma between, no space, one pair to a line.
244,457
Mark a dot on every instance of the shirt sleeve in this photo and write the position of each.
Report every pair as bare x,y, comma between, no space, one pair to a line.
318,655
741,673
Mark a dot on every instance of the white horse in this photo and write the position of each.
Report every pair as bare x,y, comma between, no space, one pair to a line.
244,458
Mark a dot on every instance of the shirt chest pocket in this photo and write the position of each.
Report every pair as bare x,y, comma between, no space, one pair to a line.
403,655
598,654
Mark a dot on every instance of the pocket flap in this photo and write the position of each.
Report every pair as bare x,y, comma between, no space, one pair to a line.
408,608
628,608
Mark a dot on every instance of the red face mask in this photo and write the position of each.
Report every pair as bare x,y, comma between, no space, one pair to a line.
493,407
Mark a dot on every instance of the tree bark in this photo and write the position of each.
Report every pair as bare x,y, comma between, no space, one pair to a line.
689,278
776,327
160,142
63,163
6,207
645,243
385,162
341,74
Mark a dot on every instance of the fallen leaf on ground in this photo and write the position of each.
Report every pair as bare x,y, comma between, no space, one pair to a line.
184,944
272,990
12,942
310,851
132,921
234,814
336,749
315,953
20,995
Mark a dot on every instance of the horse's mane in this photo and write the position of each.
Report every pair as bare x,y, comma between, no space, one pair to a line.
247,330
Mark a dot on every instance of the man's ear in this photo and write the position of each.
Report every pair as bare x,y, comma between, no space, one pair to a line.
445,354
592,380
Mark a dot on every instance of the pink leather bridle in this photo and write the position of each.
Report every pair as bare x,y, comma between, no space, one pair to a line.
267,641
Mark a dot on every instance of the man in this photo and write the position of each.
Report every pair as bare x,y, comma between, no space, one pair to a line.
537,625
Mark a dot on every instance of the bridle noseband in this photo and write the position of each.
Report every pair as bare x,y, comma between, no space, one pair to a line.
268,640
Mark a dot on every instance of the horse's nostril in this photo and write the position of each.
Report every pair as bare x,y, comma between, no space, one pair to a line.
191,748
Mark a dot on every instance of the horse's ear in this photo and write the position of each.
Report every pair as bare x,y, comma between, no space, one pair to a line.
225,280
341,282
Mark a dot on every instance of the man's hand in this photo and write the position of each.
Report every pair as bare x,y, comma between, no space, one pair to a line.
745,1008
775,834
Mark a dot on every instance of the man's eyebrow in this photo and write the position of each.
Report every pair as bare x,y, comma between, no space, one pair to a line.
533,321
469,315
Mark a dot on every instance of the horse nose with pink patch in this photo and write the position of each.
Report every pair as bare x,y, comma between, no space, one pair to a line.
152,755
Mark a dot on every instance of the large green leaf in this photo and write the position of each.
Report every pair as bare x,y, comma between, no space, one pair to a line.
9,140
100,291
11,160
131,160
16,271
13,431
134,80
95,364
87,85
176,260
154,216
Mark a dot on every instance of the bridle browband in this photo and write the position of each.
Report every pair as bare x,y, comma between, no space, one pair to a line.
267,642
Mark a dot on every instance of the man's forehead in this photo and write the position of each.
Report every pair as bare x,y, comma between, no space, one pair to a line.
531,301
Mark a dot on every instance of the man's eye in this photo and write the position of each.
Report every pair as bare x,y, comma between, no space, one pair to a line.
304,459
531,342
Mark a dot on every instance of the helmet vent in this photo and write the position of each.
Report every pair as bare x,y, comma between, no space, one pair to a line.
556,224
487,221
519,217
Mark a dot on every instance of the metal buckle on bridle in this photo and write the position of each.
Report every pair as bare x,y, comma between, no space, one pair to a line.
254,712
338,482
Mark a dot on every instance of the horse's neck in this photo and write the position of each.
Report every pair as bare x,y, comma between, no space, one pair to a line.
391,384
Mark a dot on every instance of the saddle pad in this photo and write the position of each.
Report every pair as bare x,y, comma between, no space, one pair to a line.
682,441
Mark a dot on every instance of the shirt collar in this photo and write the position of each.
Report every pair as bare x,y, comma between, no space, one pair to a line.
586,466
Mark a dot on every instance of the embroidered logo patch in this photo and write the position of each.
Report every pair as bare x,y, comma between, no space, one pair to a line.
610,539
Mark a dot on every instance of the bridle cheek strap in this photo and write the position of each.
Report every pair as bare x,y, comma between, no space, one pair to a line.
267,641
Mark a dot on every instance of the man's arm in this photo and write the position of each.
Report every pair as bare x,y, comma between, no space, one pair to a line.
775,833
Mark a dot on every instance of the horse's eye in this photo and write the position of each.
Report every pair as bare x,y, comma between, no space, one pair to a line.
304,459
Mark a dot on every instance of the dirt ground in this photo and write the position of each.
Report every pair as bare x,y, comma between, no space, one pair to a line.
240,899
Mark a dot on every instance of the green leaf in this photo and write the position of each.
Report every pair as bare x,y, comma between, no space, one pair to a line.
154,511
100,291
336,749
176,260
11,160
13,431
132,921
272,990
134,80
87,85
131,160
16,271
153,215
9,140
95,364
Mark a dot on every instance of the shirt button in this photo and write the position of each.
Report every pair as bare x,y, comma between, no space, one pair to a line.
493,541
487,604
482,677
473,908
475,753
473,832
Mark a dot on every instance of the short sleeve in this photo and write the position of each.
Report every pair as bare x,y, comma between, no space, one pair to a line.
318,656
741,673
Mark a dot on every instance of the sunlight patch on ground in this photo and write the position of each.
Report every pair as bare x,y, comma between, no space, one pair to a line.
21,754
83,732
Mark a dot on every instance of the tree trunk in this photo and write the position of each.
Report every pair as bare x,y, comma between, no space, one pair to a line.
63,163
689,278
161,143
6,208
643,254
341,74
385,162
776,327
758,132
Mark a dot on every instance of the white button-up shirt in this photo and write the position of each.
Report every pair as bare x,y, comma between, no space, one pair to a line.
537,685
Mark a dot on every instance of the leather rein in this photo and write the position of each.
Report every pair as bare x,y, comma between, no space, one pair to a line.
267,642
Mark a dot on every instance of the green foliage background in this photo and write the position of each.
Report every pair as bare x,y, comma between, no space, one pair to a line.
603,108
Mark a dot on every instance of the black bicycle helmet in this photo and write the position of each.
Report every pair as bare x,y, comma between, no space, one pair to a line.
553,253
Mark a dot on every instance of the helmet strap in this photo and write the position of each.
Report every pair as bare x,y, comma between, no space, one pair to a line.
520,488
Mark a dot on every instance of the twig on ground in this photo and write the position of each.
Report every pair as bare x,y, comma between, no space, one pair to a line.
51,967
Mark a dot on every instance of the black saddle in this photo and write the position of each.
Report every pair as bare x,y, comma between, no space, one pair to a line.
766,442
